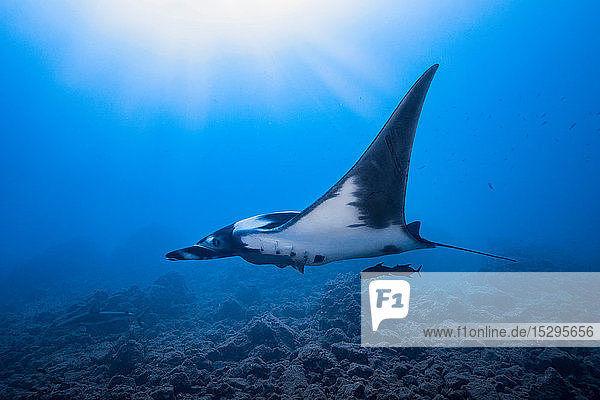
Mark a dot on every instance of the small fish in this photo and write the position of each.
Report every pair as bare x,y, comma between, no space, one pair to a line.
117,313
94,317
572,125
543,123
399,270
491,186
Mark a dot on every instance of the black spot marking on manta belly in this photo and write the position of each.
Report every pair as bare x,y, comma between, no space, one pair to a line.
390,249
292,253
319,258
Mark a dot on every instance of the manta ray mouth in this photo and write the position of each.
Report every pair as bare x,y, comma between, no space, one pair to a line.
192,253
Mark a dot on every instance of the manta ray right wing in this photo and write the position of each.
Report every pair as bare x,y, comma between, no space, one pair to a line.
362,215
370,196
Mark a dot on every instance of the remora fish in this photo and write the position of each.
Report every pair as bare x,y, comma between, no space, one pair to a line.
94,317
361,216
399,270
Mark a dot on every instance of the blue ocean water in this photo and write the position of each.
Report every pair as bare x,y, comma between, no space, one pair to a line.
122,141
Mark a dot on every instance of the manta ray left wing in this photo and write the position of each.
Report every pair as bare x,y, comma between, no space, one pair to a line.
371,194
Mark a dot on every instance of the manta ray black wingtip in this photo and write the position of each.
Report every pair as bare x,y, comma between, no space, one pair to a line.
430,72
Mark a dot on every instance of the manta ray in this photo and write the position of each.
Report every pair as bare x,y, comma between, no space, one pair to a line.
361,216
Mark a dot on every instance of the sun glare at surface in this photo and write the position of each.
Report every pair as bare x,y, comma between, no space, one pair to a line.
187,26
186,56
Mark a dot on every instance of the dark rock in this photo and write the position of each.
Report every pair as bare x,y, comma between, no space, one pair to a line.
201,361
173,357
180,382
360,371
255,366
121,380
384,396
141,396
314,392
505,380
592,363
142,377
269,330
269,354
293,381
334,335
552,357
353,390
331,375
292,310
410,380
315,359
483,371
401,369
221,389
238,384
482,389
125,359
203,378
430,388
229,309
333,323
264,330
456,395
351,352
163,393
120,392
550,386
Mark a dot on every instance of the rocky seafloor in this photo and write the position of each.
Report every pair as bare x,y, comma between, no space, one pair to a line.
166,341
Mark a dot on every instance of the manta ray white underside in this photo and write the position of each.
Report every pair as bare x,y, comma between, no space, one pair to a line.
332,231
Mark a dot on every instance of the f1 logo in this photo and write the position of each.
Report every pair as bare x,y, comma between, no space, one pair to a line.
389,299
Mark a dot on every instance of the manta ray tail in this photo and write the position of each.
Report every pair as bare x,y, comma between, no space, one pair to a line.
472,251
413,228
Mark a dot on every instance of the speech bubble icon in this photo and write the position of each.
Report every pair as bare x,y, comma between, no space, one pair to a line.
389,299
